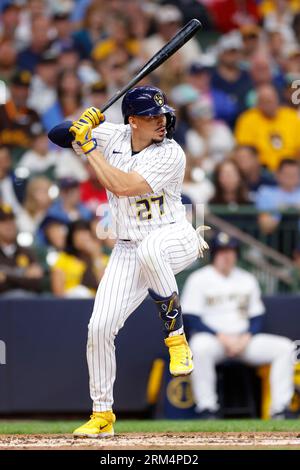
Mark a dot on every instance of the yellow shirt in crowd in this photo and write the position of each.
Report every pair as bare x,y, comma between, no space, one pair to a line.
73,269
275,138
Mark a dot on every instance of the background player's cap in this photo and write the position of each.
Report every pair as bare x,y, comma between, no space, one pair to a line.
222,241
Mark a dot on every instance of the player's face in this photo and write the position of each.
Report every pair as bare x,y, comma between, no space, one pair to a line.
152,128
225,260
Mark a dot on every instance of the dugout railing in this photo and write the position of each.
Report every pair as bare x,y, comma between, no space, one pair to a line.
269,257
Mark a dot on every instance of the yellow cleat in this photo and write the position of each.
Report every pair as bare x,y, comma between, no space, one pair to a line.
100,425
181,359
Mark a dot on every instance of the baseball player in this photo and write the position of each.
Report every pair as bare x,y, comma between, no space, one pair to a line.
225,313
142,169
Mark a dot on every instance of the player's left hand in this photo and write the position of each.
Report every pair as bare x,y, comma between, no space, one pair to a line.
83,136
203,245
92,116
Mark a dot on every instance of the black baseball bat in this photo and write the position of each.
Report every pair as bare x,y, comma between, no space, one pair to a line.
180,38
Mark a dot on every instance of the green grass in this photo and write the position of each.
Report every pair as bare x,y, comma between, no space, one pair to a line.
151,426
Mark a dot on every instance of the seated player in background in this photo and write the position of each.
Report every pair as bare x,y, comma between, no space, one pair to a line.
223,305
20,274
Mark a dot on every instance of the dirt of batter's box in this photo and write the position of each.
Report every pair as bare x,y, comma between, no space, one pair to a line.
154,441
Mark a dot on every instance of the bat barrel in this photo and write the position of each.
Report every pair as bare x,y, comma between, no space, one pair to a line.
180,38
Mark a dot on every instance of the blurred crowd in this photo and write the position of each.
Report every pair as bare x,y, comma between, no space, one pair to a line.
234,88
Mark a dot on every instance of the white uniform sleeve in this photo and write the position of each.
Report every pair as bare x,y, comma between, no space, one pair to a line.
192,297
163,166
256,306
104,133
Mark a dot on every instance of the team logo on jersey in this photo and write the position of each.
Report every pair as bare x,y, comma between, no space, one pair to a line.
159,99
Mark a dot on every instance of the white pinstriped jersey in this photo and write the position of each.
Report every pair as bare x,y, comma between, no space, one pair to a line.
162,165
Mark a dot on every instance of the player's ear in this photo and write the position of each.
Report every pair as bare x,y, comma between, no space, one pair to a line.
132,121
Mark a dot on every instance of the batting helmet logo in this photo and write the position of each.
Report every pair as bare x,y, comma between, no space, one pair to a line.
159,99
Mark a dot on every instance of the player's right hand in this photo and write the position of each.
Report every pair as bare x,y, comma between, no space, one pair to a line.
83,135
92,116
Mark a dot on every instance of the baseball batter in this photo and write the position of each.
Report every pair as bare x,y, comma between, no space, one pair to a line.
142,169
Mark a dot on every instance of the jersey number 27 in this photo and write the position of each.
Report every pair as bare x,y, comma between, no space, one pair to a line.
145,207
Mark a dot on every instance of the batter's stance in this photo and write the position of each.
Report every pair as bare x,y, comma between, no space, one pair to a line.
142,169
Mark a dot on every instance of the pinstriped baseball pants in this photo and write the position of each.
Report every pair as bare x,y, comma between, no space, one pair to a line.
133,268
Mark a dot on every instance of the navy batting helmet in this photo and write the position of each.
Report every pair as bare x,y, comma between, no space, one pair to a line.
148,101
223,241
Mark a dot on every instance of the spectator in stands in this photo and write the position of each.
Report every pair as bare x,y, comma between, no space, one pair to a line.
230,187
43,92
251,40
273,199
69,206
20,274
38,160
17,120
280,17
10,17
120,37
228,76
11,189
247,159
53,233
78,270
114,72
63,31
262,74
69,97
199,76
98,95
180,98
275,46
50,242
39,44
193,9
273,129
208,140
69,60
224,314
52,162
8,58
92,31
168,20
36,203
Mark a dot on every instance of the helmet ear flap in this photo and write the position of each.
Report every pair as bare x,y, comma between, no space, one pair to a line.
171,122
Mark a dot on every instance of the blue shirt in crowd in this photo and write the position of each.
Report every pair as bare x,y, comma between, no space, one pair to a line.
274,198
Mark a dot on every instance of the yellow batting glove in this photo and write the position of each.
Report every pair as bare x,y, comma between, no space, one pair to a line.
92,116
83,136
